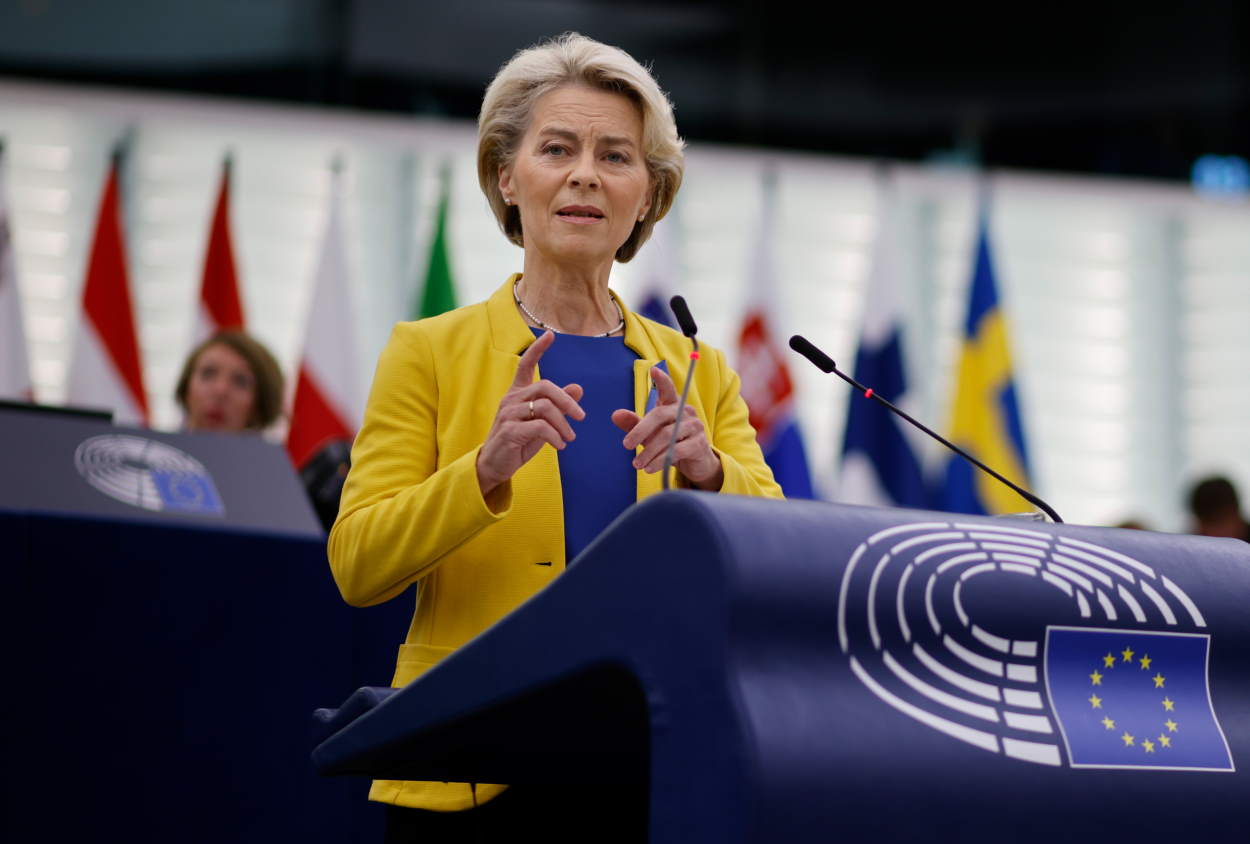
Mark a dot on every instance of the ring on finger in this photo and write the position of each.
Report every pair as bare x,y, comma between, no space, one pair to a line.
531,409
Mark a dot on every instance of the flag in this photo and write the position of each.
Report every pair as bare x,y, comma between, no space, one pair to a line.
663,270
105,370
1134,699
879,466
766,383
220,304
439,293
324,407
985,415
655,307
15,380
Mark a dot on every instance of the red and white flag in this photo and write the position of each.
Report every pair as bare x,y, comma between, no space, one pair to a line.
15,380
324,408
766,384
105,371
221,307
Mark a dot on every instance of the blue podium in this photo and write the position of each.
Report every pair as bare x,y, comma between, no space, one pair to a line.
805,672
169,619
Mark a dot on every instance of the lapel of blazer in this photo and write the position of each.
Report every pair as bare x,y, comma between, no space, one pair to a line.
638,338
510,336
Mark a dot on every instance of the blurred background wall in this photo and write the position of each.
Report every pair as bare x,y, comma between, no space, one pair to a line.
1127,288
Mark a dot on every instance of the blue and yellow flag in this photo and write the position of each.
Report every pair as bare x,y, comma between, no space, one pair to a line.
985,417
1134,699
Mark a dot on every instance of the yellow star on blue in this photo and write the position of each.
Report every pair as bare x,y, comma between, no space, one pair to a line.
1115,719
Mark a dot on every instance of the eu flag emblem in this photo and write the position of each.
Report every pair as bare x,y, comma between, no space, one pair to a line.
187,492
1130,699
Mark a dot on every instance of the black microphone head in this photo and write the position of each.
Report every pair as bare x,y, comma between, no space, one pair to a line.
801,345
684,320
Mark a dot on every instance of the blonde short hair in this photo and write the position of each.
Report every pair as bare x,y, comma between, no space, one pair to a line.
573,59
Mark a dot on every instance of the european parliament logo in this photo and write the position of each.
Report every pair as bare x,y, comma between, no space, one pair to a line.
997,677
148,474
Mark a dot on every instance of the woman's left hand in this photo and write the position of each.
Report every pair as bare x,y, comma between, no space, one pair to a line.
693,455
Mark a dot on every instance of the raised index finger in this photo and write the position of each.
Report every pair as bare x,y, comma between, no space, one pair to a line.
529,360
666,390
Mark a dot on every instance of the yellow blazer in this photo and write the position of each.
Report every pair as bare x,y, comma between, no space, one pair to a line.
412,509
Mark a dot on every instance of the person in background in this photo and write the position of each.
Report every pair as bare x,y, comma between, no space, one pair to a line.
230,384
478,476
1216,509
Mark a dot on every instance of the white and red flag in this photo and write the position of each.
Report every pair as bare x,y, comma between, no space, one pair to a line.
324,408
15,380
220,307
766,383
105,371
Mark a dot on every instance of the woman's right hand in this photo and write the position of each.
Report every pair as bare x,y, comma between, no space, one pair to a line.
531,415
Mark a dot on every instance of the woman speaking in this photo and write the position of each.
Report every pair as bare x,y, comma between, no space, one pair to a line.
500,438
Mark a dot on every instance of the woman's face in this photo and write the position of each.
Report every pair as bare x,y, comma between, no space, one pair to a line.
579,177
222,391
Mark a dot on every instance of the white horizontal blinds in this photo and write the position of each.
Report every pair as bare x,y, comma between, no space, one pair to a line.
56,167
279,193
1153,460
1214,327
720,203
1107,285
381,184
1084,276
61,138
1087,279
170,185
481,257
825,234
943,210
280,213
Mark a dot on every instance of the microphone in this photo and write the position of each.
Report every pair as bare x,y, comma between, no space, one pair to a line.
825,364
686,322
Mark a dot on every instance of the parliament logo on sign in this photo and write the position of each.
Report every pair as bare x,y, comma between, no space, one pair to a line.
1052,694
149,474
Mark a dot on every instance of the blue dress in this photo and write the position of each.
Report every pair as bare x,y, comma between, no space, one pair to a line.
597,477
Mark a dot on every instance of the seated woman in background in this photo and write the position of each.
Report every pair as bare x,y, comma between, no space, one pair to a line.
230,383
480,476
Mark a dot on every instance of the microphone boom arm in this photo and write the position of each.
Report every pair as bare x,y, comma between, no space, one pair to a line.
823,362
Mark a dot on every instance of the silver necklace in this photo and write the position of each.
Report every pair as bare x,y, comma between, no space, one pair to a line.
517,296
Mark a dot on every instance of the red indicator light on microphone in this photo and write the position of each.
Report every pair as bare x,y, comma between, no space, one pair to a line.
868,393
